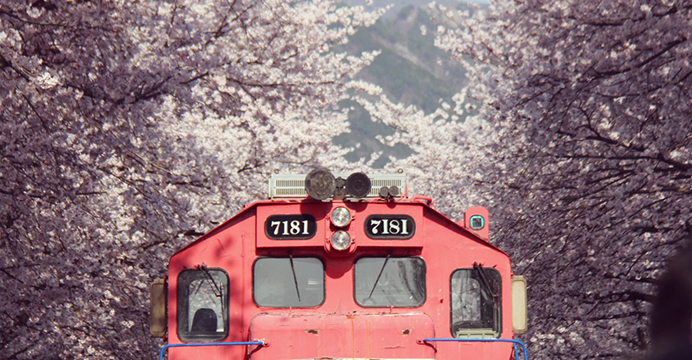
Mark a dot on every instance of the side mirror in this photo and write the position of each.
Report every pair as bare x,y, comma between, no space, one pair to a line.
519,305
158,322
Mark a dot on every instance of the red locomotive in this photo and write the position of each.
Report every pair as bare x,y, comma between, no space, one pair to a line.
334,268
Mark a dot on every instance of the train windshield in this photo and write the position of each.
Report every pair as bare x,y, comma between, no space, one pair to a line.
389,281
476,302
202,304
282,282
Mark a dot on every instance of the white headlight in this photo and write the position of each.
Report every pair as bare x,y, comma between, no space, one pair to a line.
341,240
341,216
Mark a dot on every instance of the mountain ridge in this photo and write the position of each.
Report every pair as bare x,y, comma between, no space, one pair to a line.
409,69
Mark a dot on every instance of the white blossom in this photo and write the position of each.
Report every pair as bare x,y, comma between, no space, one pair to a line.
128,129
577,140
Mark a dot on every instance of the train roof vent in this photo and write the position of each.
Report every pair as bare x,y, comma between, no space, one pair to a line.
293,186
287,186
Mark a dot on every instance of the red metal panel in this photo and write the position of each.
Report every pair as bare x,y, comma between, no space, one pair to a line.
317,336
226,247
473,351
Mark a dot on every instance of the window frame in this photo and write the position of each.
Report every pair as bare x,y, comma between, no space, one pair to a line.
324,287
497,308
182,307
425,283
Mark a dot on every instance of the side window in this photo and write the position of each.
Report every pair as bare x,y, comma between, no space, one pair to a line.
389,281
203,305
476,304
288,282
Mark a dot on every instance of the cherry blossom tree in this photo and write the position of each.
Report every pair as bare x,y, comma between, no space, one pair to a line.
581,149
128,128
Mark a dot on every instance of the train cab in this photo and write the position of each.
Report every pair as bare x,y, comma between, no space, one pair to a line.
341,267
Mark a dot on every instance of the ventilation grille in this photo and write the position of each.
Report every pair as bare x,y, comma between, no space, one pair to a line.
293,186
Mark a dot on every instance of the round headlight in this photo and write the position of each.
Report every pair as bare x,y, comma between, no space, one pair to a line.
341,217
341,240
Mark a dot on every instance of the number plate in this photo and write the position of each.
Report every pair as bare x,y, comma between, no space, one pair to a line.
390,226
290,227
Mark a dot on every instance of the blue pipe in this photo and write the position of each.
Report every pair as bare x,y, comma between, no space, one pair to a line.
163,349
515,342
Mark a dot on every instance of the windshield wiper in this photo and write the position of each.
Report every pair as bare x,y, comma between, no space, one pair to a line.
484,280
215,288
380,274
295,279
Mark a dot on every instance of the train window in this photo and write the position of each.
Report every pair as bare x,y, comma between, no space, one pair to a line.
202,305
389,281
476,303
284,282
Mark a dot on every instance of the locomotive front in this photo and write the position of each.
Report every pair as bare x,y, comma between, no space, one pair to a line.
341,268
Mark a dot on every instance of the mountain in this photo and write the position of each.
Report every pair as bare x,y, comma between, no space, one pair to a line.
398,4
410,70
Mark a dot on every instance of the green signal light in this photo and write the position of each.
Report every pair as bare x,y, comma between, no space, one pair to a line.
477,222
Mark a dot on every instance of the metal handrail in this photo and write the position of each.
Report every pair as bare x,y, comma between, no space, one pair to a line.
165,347
514,342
